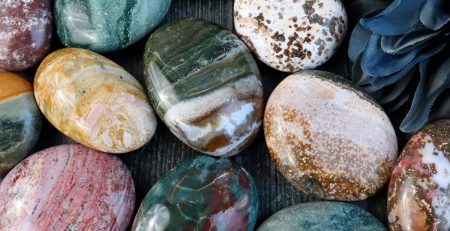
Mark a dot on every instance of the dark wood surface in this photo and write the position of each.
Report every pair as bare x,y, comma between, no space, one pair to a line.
165,151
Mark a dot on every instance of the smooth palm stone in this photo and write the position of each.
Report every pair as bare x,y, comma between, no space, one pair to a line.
25,33
328,138
107,25
94,101
20,120
67,187
205,85
419,192
319,216
202,193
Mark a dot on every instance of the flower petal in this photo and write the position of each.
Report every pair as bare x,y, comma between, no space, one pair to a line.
358,41
435,14
403,43
401,17
434,79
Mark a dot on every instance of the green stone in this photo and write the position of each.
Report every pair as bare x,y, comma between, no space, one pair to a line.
202,193
319,216
107,25
204,84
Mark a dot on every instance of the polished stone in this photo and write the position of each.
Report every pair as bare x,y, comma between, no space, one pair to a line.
418,196
205,85
67,187
291,35
94,101
202,193
327,138
320,216
107,25
25,33
20,120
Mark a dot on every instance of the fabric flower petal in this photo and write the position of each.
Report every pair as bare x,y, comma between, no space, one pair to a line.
401,17
434,79
358,41
404,43
435,14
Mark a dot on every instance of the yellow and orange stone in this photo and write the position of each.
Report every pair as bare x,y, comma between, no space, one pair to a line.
20,120
94,101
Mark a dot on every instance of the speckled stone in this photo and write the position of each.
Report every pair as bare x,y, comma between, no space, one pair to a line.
320,216
94,101
67,187
107,25
20,120
202,193
291,35
327,138
205,85
418,196
25,33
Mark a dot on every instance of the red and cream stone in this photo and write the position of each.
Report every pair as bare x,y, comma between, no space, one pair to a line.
327,138
418,196
67,187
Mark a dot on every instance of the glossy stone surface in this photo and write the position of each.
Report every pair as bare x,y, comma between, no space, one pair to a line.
67,187
107,25
20,120
25,33
205,85
327,138
94,101
418,196
291,35
319,216
202,193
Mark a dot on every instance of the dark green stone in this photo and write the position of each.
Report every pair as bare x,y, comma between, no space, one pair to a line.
319,216
20,125
107,25
204,84
202,193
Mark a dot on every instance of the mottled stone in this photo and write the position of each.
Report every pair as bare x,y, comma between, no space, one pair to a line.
94,101
327,138
25,33
20,120
205,85
67,187
202,193
319,216
107,25
291,35
418,196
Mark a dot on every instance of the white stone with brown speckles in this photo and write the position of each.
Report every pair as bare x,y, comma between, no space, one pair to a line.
291,35
327,138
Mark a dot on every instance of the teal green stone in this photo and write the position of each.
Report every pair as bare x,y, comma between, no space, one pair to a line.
202,193
107,25
204,84
319,216
20,126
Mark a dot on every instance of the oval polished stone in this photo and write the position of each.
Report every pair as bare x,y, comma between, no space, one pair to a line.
319,216
20,120
291,35
327,138
202,193
94,101
418,196
67,187
25,33
204,85
107,25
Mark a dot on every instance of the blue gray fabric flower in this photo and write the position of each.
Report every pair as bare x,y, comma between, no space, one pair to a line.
390,48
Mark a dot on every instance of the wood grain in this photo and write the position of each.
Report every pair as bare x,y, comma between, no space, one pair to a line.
165,151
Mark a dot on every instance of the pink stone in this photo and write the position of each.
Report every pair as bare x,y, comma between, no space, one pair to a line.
67,187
